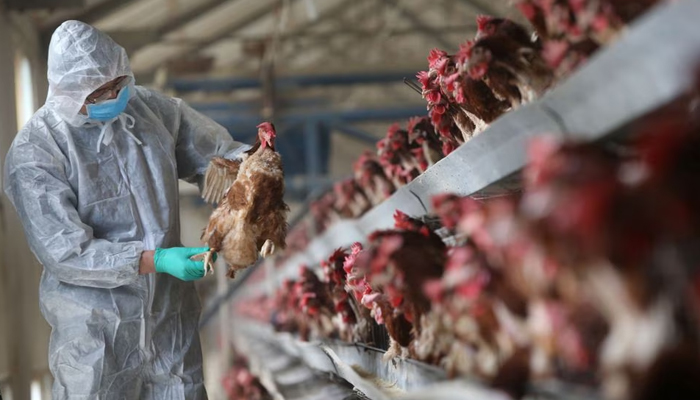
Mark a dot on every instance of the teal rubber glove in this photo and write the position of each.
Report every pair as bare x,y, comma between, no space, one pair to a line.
176,261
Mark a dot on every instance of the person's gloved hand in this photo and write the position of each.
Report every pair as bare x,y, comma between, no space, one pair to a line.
176,261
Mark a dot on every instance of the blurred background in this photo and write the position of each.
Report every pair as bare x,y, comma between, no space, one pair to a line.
328,72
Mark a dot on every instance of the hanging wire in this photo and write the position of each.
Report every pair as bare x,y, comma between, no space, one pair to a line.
279,29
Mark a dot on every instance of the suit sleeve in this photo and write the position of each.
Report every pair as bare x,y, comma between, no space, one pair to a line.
199,139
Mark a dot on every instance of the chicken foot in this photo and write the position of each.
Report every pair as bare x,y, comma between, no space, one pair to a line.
395,350
207,257
267,249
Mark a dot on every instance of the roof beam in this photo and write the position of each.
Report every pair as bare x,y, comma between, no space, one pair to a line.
333,12
479,8
158,35
102,10
255,16
89,15
331,47
357,33
418,23
238,25
181,20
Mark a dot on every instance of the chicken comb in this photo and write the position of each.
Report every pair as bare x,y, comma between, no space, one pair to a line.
424,230
382,144
450,80
362,159
356,248
482,20
448,148
424,79
350,259
467,47
413,123
393,129
435,55
400,219
267,126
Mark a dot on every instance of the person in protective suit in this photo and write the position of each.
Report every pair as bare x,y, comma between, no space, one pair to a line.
94,178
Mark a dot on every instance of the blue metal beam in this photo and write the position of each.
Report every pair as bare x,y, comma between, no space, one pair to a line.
227,84
357,115
353,132
312,150
255,105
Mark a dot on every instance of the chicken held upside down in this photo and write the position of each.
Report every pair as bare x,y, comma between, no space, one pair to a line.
251,217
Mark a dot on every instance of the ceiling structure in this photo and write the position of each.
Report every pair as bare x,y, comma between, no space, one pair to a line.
314,67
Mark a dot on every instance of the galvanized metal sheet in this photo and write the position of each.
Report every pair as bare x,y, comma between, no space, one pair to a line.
361,366
646,68
497,152
341,234
382,216
22,5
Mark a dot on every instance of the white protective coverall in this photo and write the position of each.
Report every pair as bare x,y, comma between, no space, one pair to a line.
89,214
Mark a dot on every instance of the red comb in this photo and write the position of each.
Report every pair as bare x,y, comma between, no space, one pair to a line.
482,20
266,126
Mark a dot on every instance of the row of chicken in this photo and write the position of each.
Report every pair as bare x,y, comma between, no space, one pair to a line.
504,66
589,275
240,383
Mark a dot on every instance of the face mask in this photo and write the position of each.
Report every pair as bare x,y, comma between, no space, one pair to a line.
109,109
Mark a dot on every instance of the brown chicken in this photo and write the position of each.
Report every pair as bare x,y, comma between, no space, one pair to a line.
396,265
514,72
240,383
316,304
251,218
352,320
489,26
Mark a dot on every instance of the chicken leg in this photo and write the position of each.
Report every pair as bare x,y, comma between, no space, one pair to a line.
268,248
208,262
207,257
395,350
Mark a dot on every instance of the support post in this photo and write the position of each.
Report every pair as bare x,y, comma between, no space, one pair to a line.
312,150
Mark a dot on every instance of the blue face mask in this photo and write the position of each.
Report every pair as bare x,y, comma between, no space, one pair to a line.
108,109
